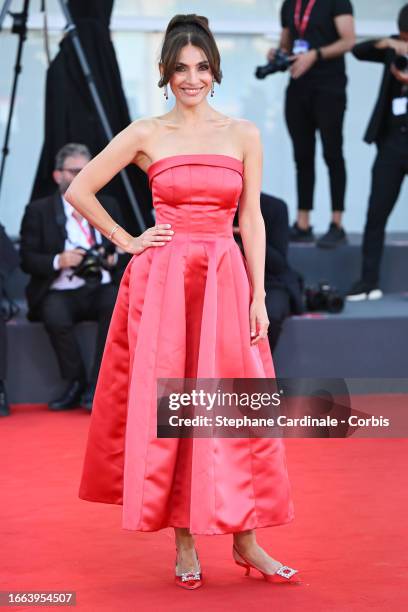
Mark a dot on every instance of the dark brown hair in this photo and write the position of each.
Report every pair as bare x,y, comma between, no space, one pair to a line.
183,30
403,19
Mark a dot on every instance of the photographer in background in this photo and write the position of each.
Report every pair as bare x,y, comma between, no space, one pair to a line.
388,128
54,243
317,34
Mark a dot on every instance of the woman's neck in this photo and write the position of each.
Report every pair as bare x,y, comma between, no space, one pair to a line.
192,115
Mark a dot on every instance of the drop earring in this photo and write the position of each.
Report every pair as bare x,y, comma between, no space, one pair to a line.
212,88
166,92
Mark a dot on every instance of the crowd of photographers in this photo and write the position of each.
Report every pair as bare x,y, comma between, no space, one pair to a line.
316,34
75,272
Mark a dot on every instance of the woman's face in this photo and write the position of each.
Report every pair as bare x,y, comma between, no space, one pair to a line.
192,77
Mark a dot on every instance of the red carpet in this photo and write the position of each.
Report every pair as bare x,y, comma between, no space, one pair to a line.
349,537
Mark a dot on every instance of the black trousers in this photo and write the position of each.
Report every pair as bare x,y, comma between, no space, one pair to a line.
388,172
61,309
310,107
277,302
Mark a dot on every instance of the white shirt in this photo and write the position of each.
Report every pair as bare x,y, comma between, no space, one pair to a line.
75,238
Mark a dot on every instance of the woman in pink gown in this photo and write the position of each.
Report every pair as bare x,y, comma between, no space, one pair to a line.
189,306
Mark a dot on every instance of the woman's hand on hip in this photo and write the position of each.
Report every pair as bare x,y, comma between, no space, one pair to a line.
155,236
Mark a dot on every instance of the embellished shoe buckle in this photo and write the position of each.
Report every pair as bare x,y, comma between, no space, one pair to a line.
286,572
187,576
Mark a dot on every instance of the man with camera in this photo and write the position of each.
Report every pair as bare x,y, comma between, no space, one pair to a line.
74,275
388,128
315,36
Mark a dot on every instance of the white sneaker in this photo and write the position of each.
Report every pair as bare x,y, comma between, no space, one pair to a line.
362,291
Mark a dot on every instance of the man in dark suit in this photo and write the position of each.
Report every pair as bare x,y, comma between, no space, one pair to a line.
388,128
283,285
54,239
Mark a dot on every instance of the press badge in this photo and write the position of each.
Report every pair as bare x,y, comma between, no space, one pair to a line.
399,106
300,46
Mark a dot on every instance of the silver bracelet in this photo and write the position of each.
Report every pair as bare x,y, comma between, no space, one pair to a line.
115,229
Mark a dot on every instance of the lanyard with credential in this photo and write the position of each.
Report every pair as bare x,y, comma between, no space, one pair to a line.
301,26
87,233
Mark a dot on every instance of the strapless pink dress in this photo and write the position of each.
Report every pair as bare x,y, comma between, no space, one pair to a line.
183,311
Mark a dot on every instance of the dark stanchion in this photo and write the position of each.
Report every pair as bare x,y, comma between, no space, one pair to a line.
20,27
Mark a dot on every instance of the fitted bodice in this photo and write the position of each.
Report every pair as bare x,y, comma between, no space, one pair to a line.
197,193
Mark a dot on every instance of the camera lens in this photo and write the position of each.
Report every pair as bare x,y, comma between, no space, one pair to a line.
401,62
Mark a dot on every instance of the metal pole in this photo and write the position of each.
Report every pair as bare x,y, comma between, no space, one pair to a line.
19,27
4,12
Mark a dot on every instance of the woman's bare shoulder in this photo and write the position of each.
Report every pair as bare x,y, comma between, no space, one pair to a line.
246,128
150,123
145,131
246,134
144,127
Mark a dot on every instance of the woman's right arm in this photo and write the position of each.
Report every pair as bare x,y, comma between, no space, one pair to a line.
118,154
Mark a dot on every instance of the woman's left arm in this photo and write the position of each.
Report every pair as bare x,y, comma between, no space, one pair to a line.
252,229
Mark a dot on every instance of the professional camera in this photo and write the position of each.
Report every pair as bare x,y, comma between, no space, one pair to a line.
324,297
92,264
401,63
280,63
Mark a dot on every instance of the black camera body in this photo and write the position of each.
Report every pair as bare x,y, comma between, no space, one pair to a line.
323,297
280,63
401,63
92,264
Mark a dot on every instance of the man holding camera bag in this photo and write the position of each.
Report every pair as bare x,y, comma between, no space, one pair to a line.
316,34
74,275
388,128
